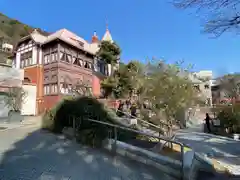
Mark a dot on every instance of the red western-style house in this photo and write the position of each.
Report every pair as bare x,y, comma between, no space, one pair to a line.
54,62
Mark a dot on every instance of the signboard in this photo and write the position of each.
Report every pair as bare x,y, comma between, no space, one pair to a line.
216,122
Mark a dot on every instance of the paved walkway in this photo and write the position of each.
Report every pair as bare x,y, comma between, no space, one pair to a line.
27,153
221,150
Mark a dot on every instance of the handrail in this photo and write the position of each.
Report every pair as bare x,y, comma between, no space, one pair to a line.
136,131
151,124
182,145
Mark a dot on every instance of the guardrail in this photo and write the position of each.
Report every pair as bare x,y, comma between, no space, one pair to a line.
115,137
143,121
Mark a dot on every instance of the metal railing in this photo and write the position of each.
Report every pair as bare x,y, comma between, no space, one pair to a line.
143,121
118,127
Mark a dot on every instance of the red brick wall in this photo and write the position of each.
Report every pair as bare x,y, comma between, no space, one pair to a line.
96,86
50,101
35,75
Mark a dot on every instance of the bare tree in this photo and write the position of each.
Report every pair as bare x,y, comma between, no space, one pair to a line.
230,86
221,15
77,88
15,98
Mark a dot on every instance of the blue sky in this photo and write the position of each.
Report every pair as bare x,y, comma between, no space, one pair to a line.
144,29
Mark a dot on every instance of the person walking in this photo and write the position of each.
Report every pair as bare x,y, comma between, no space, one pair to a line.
207,120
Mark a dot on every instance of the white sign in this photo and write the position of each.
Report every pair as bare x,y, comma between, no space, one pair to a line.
216,122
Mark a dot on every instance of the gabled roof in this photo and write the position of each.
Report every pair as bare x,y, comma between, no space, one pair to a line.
37,37
68,37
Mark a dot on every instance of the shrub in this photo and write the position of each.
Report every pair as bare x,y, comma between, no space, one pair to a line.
49,117
80,109
229,119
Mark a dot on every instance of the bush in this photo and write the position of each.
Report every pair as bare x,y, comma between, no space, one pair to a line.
229,119
48,120
80,109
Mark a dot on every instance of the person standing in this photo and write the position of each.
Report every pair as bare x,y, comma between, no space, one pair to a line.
207,120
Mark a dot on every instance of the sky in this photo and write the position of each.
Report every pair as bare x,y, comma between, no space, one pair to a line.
143,29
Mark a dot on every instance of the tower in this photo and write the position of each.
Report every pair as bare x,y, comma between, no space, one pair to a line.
107,36
95,38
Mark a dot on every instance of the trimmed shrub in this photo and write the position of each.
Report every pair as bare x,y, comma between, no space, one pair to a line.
49,117
76,111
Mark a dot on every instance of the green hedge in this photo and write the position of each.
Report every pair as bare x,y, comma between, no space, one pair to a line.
81,109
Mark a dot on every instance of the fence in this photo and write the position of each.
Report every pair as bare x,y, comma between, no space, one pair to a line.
76,123
143,122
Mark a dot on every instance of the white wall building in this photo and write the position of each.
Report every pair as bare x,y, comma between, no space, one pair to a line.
7,47
204,82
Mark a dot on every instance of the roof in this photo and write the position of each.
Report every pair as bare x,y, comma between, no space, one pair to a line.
107,36
68,37
37,37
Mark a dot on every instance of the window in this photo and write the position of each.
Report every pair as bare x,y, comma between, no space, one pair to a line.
62,56
26,59
76,61
69,58
54,89
46,59
54,57
65,57
64,88
46,89
22,64
206,86
197,87
26,62
30,60
81,62
90,66
87,65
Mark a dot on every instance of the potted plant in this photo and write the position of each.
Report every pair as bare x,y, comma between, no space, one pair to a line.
14,99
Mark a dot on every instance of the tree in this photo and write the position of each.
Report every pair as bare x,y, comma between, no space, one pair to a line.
230,85
76,88
168,89
109,52
14,99
109,85
222,15
125,81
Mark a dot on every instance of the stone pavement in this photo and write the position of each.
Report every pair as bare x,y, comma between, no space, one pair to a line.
221,151
27,120
28,153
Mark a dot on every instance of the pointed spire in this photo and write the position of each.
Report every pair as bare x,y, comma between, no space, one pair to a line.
106,25
95,37
107,36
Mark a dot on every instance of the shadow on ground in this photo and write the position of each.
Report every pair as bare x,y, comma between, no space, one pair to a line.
222,148
42,156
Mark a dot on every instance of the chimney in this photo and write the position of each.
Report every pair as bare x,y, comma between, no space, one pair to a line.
95,37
